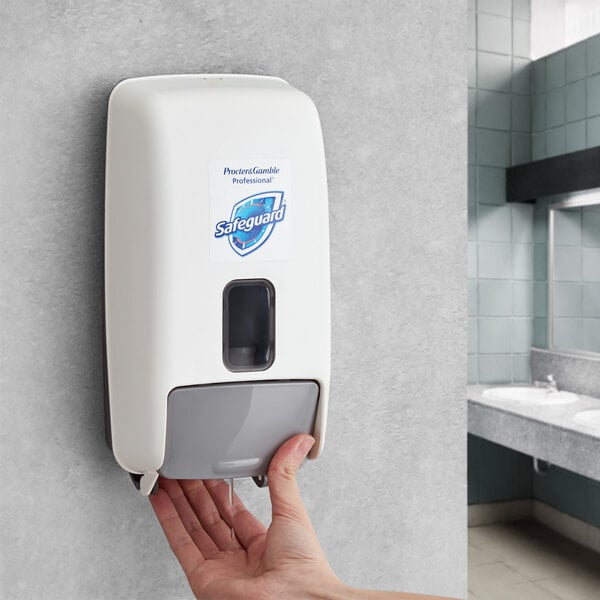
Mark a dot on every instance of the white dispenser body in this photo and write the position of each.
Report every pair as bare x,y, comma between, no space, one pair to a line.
211,180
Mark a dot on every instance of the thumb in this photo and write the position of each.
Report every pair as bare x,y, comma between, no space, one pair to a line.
283,487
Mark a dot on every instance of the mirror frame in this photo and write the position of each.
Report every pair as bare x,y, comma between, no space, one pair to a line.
577,201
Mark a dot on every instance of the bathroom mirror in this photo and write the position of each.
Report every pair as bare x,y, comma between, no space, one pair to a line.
574,275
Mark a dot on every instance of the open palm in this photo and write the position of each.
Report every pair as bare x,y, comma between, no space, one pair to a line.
226,552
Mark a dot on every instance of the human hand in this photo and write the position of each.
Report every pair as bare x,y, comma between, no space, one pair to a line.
283,561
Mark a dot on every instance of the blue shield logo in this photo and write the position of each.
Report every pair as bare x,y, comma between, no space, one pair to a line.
252,221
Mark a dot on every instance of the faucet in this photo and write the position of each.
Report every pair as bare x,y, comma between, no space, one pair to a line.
550,385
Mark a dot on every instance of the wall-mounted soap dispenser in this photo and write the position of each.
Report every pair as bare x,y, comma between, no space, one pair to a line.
217,275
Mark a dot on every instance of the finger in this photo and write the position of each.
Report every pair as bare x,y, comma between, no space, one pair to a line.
283,487
187,553
189,518
208,514
246,526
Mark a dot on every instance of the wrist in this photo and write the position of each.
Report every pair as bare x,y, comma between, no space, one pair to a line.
332,589
337,590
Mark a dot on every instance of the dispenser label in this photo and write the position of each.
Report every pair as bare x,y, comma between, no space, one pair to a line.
249,210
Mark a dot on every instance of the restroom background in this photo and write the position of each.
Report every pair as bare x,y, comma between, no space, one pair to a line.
519,110
388,78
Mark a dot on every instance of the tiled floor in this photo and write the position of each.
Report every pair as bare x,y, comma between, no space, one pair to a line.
525,561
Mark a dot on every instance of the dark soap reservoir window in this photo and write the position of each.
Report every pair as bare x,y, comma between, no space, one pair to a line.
248,325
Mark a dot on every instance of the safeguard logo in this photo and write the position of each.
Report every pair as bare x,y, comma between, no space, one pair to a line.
252,221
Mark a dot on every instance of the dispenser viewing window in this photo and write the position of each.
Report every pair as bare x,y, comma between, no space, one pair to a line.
217,275
249,325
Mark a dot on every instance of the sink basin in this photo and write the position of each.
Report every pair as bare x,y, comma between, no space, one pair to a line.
530,395
591,418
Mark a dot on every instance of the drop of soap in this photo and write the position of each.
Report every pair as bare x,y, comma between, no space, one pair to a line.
231,503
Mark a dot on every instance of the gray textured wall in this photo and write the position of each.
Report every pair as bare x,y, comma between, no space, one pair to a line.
388,497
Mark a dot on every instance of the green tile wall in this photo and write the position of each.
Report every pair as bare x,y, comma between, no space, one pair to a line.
501,259
518,111
566,100
565,109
